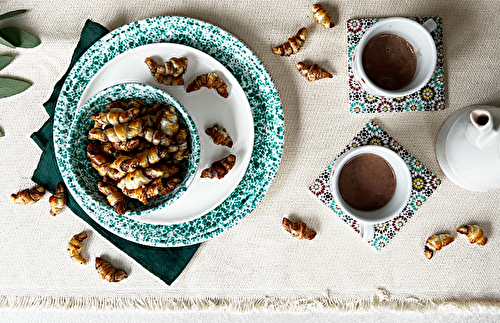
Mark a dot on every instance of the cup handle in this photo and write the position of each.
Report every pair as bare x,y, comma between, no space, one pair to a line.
430,25
367,231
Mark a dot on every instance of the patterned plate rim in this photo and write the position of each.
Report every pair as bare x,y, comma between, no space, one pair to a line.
255,81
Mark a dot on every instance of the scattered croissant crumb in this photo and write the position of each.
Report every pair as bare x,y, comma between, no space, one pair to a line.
211,81
220,136
28,196
58,200
219,168
293,45
298,230
321,16
170,73
107,272
436,242
312,72
74,247
474,233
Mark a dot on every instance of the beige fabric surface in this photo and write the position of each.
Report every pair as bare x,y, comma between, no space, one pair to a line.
256,264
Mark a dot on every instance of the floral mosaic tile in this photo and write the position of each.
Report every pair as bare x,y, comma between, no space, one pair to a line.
430,98
424,183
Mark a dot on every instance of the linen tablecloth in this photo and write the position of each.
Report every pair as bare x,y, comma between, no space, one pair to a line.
257,264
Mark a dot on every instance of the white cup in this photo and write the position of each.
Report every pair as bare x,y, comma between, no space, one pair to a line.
414,33
398,201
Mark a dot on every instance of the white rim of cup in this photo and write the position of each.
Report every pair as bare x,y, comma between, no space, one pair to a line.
387,93
361,150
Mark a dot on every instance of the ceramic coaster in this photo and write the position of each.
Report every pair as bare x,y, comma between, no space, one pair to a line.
429,98
424,183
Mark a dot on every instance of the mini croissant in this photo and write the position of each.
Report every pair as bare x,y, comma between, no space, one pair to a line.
116,112
28,196
107,272
169,74
219,136
436,242
312,72
74,247
219,168
474,233
58,200
293,45
114,196
211,81
298,230
321,16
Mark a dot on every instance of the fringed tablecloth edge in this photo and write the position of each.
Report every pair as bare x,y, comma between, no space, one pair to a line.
380,301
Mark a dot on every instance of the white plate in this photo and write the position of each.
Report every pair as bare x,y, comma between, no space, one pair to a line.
205,106
267,112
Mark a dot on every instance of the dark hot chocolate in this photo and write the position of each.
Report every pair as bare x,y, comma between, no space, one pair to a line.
367,182
389,61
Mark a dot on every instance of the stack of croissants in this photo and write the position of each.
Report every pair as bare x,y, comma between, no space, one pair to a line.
138,150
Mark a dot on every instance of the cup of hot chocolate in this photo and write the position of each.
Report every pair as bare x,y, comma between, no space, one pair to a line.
395,57
372,184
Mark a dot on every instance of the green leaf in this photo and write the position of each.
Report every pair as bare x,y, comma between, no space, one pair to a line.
12,14
6,43
5,60
18,37
9,87
1,133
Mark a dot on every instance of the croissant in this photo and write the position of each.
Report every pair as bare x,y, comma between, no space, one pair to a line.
150,156
298,230
58,200
293,45
474,233
168,121
109,149
102,164
125,164
321,16
154,189
123,131
436,242
114,115
74,247
107,272
170,73
219,168
105,170
138,104
312,72
28,196
114,196
176,66
143,176
211,81
127,145
220,136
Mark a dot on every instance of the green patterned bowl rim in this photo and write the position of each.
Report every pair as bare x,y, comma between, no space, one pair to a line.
81,178
257,84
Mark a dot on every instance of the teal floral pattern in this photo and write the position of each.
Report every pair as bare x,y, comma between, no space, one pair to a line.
423,180
261,93
429,98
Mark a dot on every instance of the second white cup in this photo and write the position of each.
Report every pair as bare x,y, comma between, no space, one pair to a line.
396,204
414,33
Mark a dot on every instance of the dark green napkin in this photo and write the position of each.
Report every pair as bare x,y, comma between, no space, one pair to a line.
165,263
